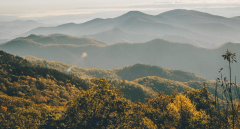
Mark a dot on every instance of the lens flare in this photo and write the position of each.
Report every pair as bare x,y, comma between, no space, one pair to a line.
84,54
68,70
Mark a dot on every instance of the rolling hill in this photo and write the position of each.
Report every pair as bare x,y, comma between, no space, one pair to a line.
129,73
33,83
20,78
162,84
186,57
32,96
42,81
59,39
117,35
137,81
201,29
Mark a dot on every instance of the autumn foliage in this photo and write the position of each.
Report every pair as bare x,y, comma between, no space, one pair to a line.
36,97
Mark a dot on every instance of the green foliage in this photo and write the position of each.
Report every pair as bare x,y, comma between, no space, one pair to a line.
29,93
162,84
125,73
101,107
141,70
156,109
201,98
41,85
131,90
36,97
140,88
185,113
16,112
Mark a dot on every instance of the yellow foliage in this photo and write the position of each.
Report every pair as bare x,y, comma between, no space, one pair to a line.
181,103
183,110
4,108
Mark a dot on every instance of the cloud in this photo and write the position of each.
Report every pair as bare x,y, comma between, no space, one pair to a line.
157,6
197,1
50,13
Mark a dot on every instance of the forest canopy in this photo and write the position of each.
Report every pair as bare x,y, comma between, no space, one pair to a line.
32,96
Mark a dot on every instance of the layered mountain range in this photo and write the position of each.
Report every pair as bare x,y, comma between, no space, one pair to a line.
67,49
184,26
116,69
11,29
99,42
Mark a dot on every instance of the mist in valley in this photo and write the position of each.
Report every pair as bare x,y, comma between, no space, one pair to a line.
119,64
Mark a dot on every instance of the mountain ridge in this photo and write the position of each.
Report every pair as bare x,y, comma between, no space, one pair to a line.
124,73
163,24
58,39
141,80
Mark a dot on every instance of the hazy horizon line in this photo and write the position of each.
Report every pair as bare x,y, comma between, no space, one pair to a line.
83,14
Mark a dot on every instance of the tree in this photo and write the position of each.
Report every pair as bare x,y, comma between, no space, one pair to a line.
157,111
101,107
186,114
230,57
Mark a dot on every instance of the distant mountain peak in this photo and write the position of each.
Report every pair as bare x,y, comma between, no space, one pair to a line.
159,40
237,17
177,12
132,14
135,12
67,24
32,36
95,20
117,29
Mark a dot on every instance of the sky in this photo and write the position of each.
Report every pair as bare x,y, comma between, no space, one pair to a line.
63,11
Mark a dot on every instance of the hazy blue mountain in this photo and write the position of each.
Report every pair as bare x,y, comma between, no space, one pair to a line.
10,29
196,17
180,39
20,23
186,57
57,39
201,29
117,35
218,30
225,29
237,17
3,41
62,39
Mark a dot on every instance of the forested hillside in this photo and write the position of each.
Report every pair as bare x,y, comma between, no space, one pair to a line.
30,93
124,64
157,52
33,96
153,78
42,85
125,73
